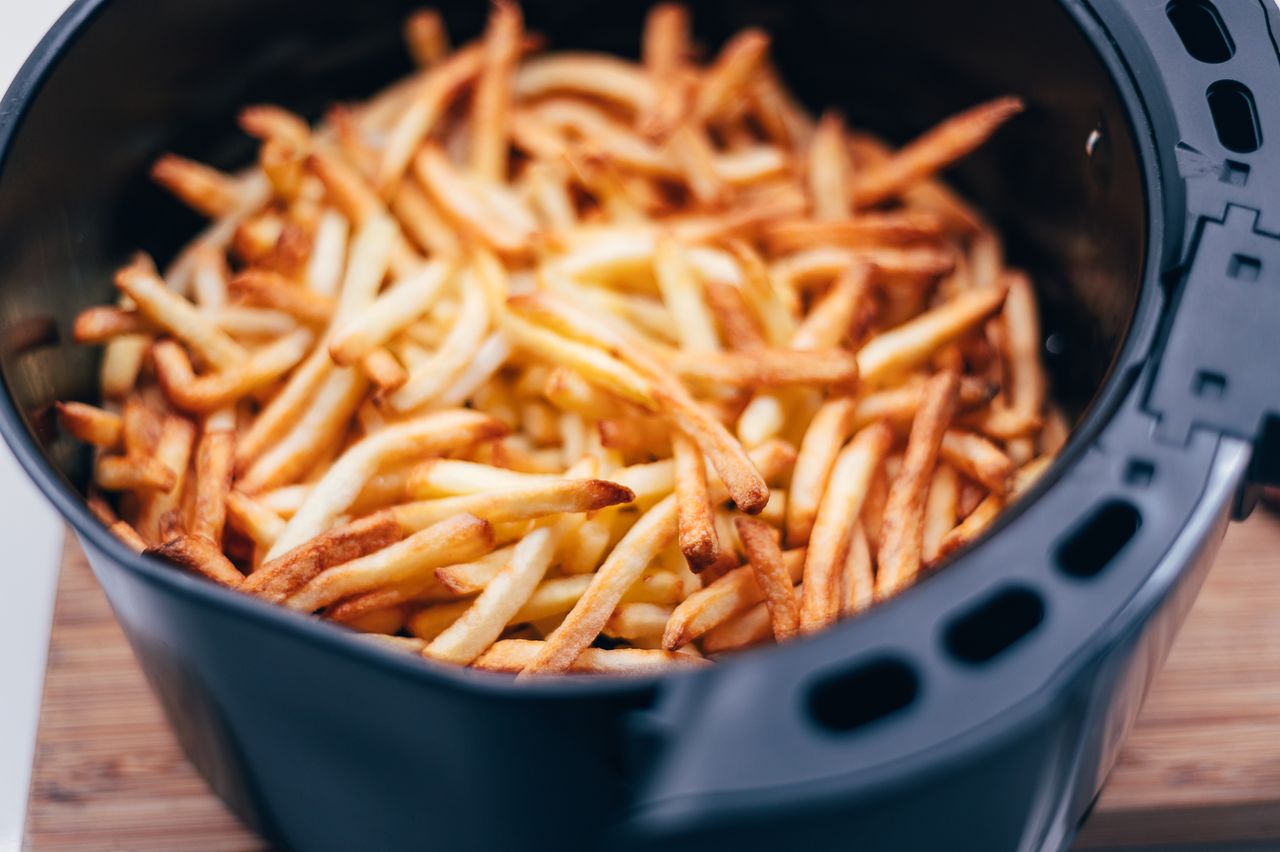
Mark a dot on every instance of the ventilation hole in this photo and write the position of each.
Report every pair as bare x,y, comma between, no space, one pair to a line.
995,625
1235,116
1234,173
1209,385
851,699
1201,29
1244,267
1093,544
1139,473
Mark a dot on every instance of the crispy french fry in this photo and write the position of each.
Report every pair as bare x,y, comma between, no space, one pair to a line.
341,485
682,293
899,557
857,581
826,434
491,106
454,539
102,324
977,458
278,578
389,313
768,368
215,390
178,316
173,450
474,208
214,469
1027,384
944,144
430,379
734,592
869,229
591,74
940,510
91,424
665,49
199,556
829,170
722,89
516,504
446,477
426,37
272,290
206,190
772,576
737,325
841,502
515,655
696,531
637,622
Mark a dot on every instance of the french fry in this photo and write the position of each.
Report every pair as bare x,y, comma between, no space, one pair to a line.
665,49
682,293
1027,383
696,531
637,622
504,595
772,576
124,531
426,37
216,390
278,578
133,473
446,477
102,324
340,486
469,206
272,290
768,368
389,313
206,190
383,370
252,518
515,655
732,593
841,501
516,504
454,539
909,344
591,74
857,580
944,144
977,458
829,170
734,318
900,557
826,434
199,556
940,510
91,424
178,316
173,450
899,405
865,230
214,468
430,379
120,364
492,102
722,89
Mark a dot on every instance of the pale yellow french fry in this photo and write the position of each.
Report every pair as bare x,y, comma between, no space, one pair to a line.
91,424
444,477
515,655
940,510
723,89
389,313
637,622
825,435
430,379
516,504
682,293
491,105
829,170
857,582
977,458
178,316
216,390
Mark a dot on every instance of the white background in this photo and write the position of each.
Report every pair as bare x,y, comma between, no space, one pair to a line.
30,534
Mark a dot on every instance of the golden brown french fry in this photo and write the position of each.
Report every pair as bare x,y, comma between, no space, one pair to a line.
767,368
391,312
772,576
132,472
272,290
504,595
899,404
91,424
899,556
682,292
691,149
124,531
339,487
469,206
637,622
266,121
446,477
592,363
206,190
665,50
733,592
278,578
215,465
121,363
868,229
940,510
491,105
944,144
430,100
841,503
593,75
1027,386
736,322
454,539
517,504
696,531
977,458
913,342
173,450
723,87
515,655
829,170
857,581
426,37
215,390
825,435
200,556
773,309
176,315
427,381
101,324
386,373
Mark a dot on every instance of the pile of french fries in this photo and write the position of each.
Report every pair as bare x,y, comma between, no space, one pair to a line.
557,362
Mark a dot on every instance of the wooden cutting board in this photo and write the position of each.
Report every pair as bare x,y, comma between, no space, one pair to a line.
1202,765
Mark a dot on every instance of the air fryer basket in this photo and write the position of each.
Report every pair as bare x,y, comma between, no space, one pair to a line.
981,709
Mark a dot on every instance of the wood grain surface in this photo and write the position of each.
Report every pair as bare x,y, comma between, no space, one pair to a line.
1202,765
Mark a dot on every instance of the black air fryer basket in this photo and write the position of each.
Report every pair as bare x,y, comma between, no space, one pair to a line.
980,710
